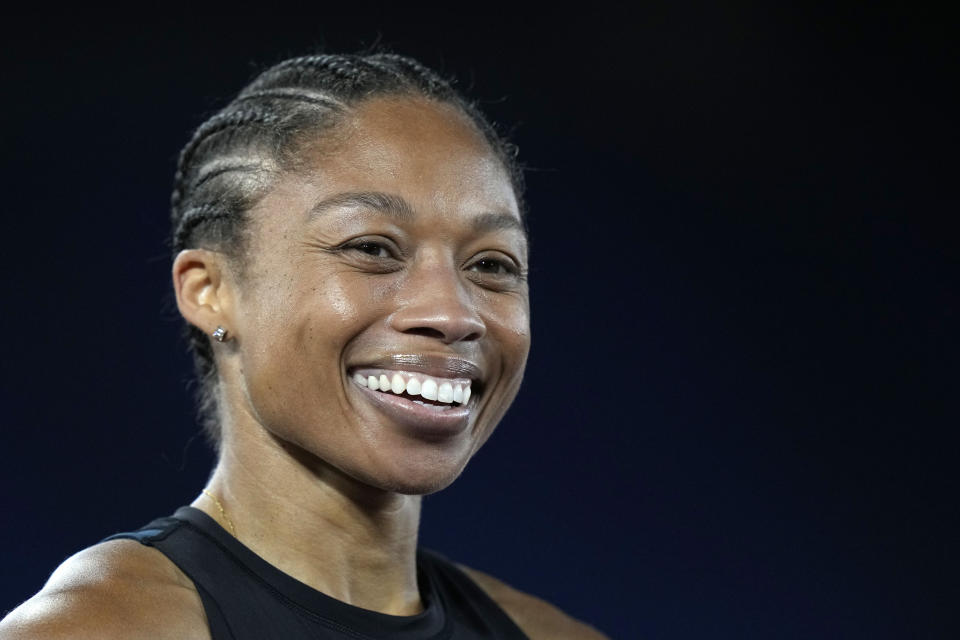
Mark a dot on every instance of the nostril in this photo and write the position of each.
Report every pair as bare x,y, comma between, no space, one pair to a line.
426,331
439,321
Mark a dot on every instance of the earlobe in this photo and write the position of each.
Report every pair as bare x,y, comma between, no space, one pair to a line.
201,289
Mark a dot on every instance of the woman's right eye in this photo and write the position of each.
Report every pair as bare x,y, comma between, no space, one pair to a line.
368,247
374,249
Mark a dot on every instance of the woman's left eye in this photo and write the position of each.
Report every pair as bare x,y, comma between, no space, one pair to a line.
494,266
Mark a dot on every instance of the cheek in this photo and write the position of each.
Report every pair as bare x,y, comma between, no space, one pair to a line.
312,302
512,320
511,326
296,334
340,306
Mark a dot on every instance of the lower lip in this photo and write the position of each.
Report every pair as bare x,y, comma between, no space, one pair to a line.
420,419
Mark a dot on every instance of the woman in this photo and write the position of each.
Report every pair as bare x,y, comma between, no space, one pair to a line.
350,258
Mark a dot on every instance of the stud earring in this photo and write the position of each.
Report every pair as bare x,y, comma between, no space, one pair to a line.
219,334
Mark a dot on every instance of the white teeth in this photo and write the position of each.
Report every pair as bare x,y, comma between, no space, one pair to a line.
397,385
445,392
431,407
413,387
429,390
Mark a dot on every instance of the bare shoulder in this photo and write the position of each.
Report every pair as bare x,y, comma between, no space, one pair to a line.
537,618
116,589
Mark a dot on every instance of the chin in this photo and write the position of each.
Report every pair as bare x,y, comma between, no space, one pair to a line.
414,477
407,488
423,487
389,466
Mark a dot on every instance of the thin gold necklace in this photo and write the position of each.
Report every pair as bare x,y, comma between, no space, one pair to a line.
233,529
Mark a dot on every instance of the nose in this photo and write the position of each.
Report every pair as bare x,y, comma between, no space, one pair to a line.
434,302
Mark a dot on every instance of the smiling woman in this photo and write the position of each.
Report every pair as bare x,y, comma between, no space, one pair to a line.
350,259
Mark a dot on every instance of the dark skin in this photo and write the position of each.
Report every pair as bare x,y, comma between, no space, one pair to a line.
396,244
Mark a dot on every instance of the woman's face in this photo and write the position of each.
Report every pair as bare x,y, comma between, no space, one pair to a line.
394,255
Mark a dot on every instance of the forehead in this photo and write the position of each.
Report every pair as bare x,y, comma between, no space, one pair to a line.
430,153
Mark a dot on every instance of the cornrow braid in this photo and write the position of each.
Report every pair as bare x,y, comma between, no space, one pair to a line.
194,217
234,157
215,125
215,171
290,94
433,83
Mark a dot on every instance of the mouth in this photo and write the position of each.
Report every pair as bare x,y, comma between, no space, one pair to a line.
428,391
425,399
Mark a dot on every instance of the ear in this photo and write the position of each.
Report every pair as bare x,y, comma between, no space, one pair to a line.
202,285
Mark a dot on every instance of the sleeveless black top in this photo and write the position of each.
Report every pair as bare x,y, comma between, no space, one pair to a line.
246,598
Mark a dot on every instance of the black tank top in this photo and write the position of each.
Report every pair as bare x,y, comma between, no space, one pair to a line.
246,598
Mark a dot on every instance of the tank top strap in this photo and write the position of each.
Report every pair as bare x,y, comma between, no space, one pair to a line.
157,534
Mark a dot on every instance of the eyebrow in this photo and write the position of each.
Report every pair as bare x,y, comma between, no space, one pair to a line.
396,207
386,203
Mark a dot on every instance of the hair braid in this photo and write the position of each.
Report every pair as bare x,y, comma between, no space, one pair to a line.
217,124
290,94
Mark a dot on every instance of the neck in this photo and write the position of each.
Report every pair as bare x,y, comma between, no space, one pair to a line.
350,541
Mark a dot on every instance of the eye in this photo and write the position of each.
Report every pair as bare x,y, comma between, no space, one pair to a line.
377,248
371,248
495,270
371,254
494,266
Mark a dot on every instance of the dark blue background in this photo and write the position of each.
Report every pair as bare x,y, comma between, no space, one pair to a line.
739,414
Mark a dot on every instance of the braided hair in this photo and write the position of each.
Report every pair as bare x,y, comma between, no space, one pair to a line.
234,157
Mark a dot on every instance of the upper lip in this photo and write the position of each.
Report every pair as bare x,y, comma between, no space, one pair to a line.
435,365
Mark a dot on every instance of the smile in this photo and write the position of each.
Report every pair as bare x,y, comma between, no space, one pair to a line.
419,388
425,406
